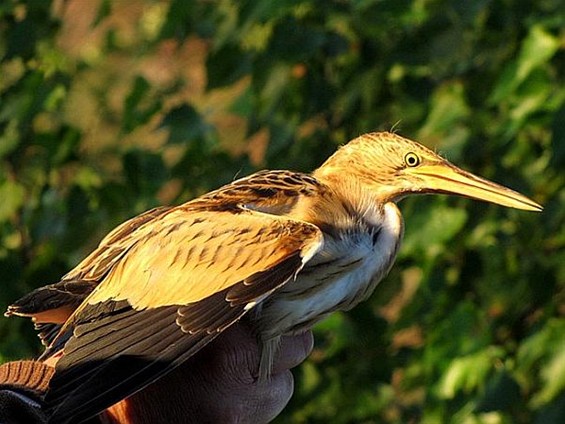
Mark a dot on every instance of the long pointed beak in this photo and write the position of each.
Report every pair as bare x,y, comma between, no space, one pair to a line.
446,178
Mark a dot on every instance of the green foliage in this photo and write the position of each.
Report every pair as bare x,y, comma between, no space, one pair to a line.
142,103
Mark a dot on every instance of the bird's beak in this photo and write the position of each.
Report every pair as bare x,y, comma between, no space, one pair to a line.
446,178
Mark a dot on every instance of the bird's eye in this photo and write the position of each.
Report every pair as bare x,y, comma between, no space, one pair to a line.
412,159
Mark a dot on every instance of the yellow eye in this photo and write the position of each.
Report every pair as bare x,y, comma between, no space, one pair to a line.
412,159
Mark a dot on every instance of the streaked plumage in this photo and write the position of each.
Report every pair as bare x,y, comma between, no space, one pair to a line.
287,246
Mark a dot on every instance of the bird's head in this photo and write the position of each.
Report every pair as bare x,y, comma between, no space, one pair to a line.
391,167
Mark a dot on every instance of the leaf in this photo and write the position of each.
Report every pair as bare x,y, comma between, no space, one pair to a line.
552,413
226,66
538,47
558,138
427,229
12,195
468,372
501,393
179,20
553,376
146,173
290,33
139,105
542,343
103,11
184,124
9,138
448,106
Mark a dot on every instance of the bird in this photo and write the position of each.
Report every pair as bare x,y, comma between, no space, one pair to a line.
284,249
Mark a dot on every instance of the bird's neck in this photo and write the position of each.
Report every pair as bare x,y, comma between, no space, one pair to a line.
345,204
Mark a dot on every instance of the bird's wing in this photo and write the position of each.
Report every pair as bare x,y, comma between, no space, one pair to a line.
273,192
53,303
183,279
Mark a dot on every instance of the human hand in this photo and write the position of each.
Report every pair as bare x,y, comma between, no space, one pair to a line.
219,384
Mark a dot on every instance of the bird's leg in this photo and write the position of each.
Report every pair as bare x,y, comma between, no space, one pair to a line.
269,345
269,349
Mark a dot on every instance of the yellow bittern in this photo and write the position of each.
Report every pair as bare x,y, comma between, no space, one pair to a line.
290,248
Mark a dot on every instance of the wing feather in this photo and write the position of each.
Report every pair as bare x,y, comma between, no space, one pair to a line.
201,253
162,285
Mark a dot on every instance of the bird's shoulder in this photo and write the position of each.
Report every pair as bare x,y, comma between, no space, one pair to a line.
275,192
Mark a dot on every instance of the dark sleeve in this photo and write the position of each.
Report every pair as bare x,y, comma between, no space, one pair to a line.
22,387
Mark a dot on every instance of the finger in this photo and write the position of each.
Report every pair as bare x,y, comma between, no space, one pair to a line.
269,398
293,351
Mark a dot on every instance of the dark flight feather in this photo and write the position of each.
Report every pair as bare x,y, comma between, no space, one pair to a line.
123,350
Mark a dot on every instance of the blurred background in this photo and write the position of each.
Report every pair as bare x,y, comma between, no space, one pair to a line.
108,108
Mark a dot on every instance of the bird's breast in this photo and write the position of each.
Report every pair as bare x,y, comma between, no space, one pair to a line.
344,273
